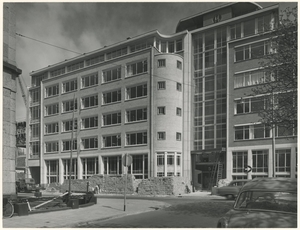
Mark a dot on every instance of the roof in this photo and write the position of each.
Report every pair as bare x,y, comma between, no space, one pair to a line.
272,184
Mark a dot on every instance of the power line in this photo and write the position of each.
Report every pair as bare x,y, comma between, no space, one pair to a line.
46,43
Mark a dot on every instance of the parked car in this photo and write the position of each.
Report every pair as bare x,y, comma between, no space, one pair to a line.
264,203
26,185
232,189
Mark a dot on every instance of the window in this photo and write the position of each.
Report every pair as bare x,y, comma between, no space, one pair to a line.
111,97
161,85
136,68
179,65
35,131
136,115
111,75
168,164
112,165
35,96
171,47
90,167
141,46
249,27
89,80
161,63
67,145
35,113
116,53
57,72
51,128
112,141
90,101
69,86
178,136
95,60
66,163
251,78
261,131
89,122
239,161
52,168
139,138
51,147
90,143
242,132
51,109
161,110
136,91
235,31
283,160
111,119
255,50
179,46
68,125
139,166
178,86
51,90
160,159
161,136
178,111
265,23
163,47
170,160
69,106
260,161
250,105
75,66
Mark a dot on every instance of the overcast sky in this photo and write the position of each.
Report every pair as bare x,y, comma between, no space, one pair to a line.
84,27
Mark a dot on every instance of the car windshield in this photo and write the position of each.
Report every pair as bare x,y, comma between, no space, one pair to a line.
267,200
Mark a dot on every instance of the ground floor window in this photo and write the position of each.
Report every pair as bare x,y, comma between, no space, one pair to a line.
112,165
74,172
168,164
90,167
139,166
260,161
240,160
283,160
52,174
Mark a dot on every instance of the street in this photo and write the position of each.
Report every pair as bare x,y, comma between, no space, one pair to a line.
185,212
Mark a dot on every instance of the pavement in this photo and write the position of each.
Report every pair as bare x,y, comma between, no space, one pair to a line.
107,207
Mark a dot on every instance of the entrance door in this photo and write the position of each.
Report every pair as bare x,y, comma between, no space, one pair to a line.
206,178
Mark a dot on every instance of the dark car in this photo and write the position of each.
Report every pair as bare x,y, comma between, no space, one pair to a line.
232,189
26,185
264,203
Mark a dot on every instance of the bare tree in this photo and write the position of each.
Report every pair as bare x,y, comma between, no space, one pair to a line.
280,81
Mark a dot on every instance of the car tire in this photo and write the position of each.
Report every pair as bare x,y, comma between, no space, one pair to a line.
230,197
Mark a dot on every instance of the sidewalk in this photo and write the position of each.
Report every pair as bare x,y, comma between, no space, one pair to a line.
105,208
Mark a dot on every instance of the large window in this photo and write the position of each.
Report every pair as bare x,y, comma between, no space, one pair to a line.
111,119
35,113
136,115
255,50
250,105
89,80
111,97
51,147
90,167
51,109
51,91
111,141
239,161
68,125
111,74
57,72
74,172
90,101
256,131
116,53
75,66
35,131
52,167
95,60
139,138
89,122
137,68
69,86
249,27
139,166
34,150
68,106
250,78
89,143
51,128
242,132
136,91
283,160
260,161
168,164
35,96
112,165
67,145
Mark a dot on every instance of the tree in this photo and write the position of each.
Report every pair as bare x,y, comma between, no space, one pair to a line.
279,85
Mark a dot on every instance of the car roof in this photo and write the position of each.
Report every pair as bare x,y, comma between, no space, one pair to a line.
271,184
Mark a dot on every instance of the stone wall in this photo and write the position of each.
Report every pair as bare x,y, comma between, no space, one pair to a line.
115,185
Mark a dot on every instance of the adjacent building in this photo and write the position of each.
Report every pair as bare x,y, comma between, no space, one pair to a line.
173,102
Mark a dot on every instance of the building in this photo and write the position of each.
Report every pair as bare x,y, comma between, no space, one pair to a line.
10,73
170,101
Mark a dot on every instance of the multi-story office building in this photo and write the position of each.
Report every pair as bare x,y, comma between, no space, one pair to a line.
172,102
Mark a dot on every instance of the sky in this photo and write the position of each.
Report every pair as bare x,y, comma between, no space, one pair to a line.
85,27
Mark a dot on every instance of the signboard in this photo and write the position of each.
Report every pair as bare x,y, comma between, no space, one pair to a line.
127,160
